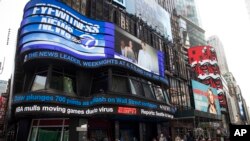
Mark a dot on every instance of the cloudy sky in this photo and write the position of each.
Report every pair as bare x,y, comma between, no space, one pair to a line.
228,20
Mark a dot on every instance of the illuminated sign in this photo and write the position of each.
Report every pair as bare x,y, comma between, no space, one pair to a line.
203,61
205,98
23,110
54,26
68,35
127,110
94,64
83,103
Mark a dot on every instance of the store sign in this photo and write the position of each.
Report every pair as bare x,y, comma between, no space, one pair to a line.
90,102
72,111
127,110
205,98
68,35
120,2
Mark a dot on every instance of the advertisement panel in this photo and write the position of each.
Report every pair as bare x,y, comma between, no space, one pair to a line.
205,98
203,61
153,14
132,49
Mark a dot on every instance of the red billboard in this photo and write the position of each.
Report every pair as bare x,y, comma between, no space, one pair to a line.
203,61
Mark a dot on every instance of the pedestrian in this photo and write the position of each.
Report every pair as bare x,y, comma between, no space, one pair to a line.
162,137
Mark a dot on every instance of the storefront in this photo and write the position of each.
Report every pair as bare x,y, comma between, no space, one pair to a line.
43,117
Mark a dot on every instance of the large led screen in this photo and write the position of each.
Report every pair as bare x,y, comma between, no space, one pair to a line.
205,98
134,50
153,14
203,61
53,27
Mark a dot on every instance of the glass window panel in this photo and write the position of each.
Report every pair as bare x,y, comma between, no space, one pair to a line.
76,4
66,134
136,87
147,87
120,84
39,82
49,134
68,85
84,7
33,134
100,84
166,96
159,94
56,81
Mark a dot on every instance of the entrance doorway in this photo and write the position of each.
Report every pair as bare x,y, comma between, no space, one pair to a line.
100,130
129,131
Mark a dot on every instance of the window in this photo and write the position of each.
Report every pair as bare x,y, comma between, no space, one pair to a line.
83,7
136,86
39,78
62,81
100,83
158,93
148,90
49,130
39,82
120,84
76,4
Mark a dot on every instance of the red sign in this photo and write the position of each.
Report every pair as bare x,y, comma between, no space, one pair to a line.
127,110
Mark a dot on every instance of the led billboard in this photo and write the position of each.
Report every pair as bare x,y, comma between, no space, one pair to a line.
51,29
153,14
205,98
203,61
134,50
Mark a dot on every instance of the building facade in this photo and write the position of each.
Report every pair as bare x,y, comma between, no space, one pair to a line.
215,42
90,69
188,9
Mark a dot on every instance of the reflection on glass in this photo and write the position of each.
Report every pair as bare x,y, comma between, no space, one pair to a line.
49,134
136,87
76,4
62,83
83,7
119,84
39,82
33,134
159,94
68,85
148,90
66,134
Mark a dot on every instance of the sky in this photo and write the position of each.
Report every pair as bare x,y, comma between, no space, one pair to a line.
227,19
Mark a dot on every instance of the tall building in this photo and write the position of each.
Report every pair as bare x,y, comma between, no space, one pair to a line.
188,9
215,42
195,33
97,69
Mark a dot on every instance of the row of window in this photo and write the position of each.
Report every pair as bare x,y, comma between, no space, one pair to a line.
60,80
